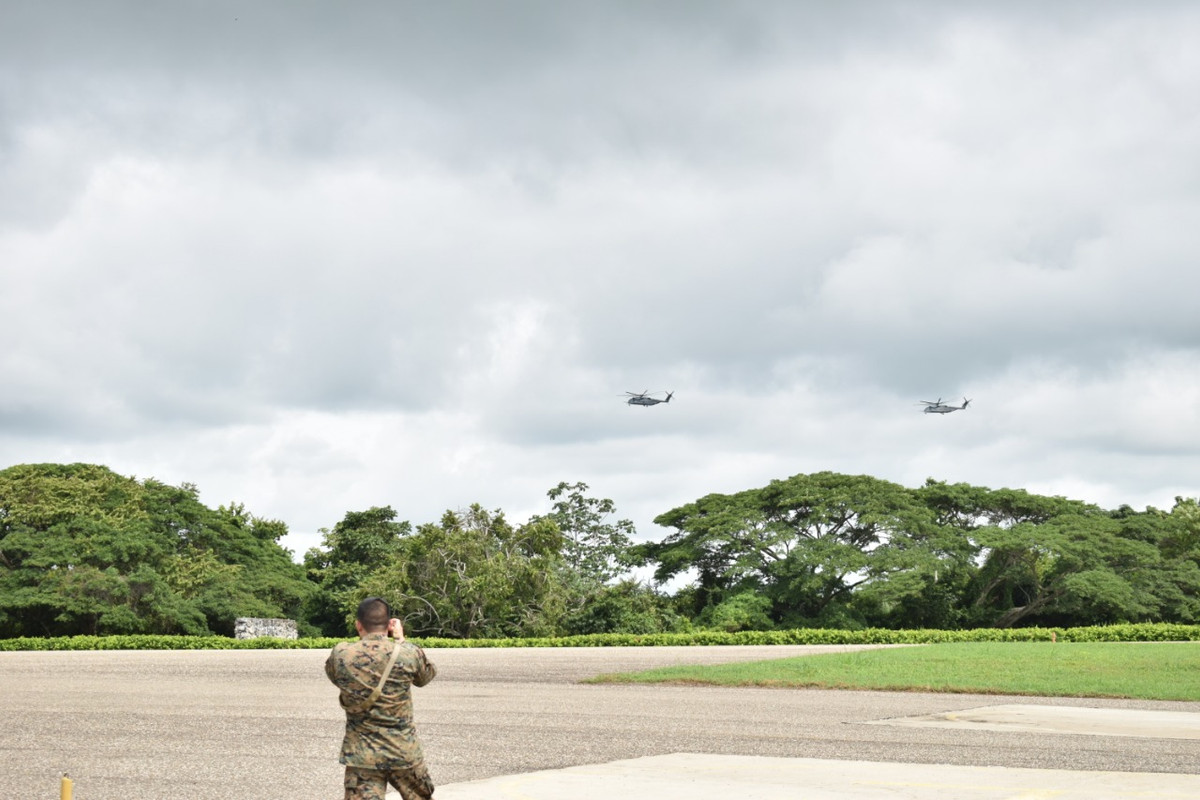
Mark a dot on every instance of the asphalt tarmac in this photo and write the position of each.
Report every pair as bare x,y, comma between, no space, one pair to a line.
265,724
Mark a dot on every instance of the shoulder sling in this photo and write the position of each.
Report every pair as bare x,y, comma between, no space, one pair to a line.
378,690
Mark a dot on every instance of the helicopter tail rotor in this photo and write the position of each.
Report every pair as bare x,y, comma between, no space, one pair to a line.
669,396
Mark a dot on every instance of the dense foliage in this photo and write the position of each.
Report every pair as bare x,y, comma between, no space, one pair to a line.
1144,632
84,551
832,550
474,574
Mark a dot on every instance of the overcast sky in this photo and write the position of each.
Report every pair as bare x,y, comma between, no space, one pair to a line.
320,256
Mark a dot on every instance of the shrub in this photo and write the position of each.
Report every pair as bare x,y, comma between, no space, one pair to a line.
1139,632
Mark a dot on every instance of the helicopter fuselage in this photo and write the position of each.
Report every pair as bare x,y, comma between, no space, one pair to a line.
645,399
941,409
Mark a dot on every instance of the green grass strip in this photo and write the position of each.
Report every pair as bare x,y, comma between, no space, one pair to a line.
1147,671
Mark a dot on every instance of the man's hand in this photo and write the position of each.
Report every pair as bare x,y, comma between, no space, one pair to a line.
396,629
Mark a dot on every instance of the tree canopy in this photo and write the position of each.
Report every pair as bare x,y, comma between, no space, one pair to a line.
361,544
476,574
838,550
84,550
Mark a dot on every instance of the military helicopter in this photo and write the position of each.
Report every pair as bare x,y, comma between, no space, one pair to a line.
645,399
940,408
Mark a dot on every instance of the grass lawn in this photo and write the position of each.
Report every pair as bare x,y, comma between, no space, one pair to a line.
1143,670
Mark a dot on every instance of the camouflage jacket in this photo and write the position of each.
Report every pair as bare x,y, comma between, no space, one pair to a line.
383,736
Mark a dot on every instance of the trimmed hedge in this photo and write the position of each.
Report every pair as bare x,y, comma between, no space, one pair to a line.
1140,632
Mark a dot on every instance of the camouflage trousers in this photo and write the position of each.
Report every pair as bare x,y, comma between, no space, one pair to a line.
371,784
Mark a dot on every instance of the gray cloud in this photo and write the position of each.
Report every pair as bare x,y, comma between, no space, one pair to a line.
417,253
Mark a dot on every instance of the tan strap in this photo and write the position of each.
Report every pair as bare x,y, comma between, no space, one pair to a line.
378,690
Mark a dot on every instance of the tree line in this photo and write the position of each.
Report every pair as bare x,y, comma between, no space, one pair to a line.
86,551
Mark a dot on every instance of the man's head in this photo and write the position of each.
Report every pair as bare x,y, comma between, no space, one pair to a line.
373,615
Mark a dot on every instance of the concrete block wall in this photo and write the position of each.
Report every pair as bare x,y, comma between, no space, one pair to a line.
252,628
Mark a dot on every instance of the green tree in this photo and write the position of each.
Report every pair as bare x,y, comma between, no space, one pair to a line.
84,550
1171,584
626,606
1074,566
594,548
848,535
474,575
806,543
837,550
363,543
1181,540
1050,559
746,610
595,551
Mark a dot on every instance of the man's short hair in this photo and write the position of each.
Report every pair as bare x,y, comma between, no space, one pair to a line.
374,613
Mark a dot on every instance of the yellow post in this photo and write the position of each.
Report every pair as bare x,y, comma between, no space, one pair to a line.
67,786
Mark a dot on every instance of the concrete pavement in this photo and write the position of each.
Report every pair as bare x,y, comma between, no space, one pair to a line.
691,776
699,776
262,725
1021,718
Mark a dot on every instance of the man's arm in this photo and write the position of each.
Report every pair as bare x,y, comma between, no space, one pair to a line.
425,671
331,666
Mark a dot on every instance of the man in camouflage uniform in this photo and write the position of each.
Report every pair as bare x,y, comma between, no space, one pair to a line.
380,746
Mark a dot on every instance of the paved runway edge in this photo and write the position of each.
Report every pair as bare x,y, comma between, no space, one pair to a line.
699,776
